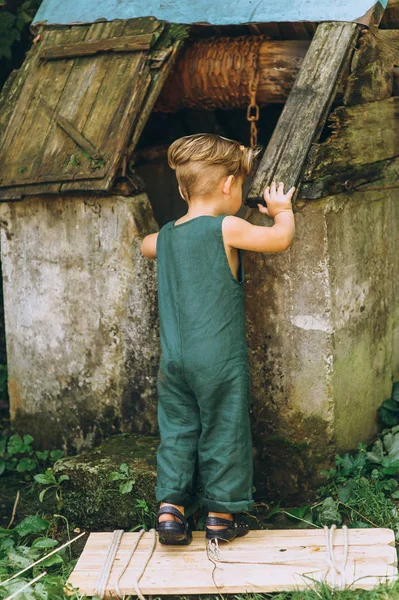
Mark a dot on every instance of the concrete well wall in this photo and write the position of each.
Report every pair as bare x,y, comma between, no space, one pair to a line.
81,317
322,328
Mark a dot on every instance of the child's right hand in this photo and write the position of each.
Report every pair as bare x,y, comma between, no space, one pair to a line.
276,200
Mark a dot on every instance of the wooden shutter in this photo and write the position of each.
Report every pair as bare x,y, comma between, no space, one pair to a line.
88,91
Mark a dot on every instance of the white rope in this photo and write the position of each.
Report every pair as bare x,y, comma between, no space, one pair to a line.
143,568
331,558
103,577
214,555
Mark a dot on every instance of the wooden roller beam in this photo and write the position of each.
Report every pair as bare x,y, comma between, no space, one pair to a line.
200,76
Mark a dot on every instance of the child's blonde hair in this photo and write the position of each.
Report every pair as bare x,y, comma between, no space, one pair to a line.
201,160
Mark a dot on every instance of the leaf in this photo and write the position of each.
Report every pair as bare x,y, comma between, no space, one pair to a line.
63,478
127,486
28,439
15,445
44,542
391,405
329,512
26,464
377,453
18,560
394,449
42,455
395,391
56,454
395,495
56,559
298,512
124,469
32,524
115,476
44,492
387,417
46,478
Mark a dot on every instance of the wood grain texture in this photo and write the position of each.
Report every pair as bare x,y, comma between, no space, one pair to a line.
74,117
263,561
116,44
358,179
371,76
360,135
390,19
307,106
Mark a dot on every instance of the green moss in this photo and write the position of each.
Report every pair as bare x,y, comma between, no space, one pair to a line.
91,500
287,467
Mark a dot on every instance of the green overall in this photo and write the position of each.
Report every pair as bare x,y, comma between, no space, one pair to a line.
204,387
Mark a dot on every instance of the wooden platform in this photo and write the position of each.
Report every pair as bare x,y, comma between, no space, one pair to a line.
275,560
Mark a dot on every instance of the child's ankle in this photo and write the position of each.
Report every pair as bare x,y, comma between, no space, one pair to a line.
168,516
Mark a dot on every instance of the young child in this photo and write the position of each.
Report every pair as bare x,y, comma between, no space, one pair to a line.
203,380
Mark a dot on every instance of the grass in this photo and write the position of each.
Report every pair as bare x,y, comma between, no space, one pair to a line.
362,490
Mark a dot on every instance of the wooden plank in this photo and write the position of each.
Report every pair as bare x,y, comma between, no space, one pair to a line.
306,108
372,65
154,91
355,179
390,19
116,44
92,96
263,561
71,130
372,18
125,92
76,104
21,150
142,107
352,129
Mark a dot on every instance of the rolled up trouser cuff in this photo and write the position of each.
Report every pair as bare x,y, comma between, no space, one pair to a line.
174,497
228,507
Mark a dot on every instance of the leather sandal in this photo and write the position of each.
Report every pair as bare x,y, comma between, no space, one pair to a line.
238,527
172,533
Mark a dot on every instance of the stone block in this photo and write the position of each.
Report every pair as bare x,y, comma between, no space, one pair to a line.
91,500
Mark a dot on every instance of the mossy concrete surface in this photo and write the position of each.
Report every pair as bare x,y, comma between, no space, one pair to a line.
81,318
91,500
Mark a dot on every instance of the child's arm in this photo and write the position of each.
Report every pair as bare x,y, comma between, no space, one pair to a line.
238,233
149,245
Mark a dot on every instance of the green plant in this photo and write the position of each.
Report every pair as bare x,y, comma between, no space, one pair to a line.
389,410
49,479
126,481
17,454
14,19
147,516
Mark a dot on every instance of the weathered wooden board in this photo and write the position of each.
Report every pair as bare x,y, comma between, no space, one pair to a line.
364,178
118,44
390,20
360,135
74,117
371,76
307,106
263,561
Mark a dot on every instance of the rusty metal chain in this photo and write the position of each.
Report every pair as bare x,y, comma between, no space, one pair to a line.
253,107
